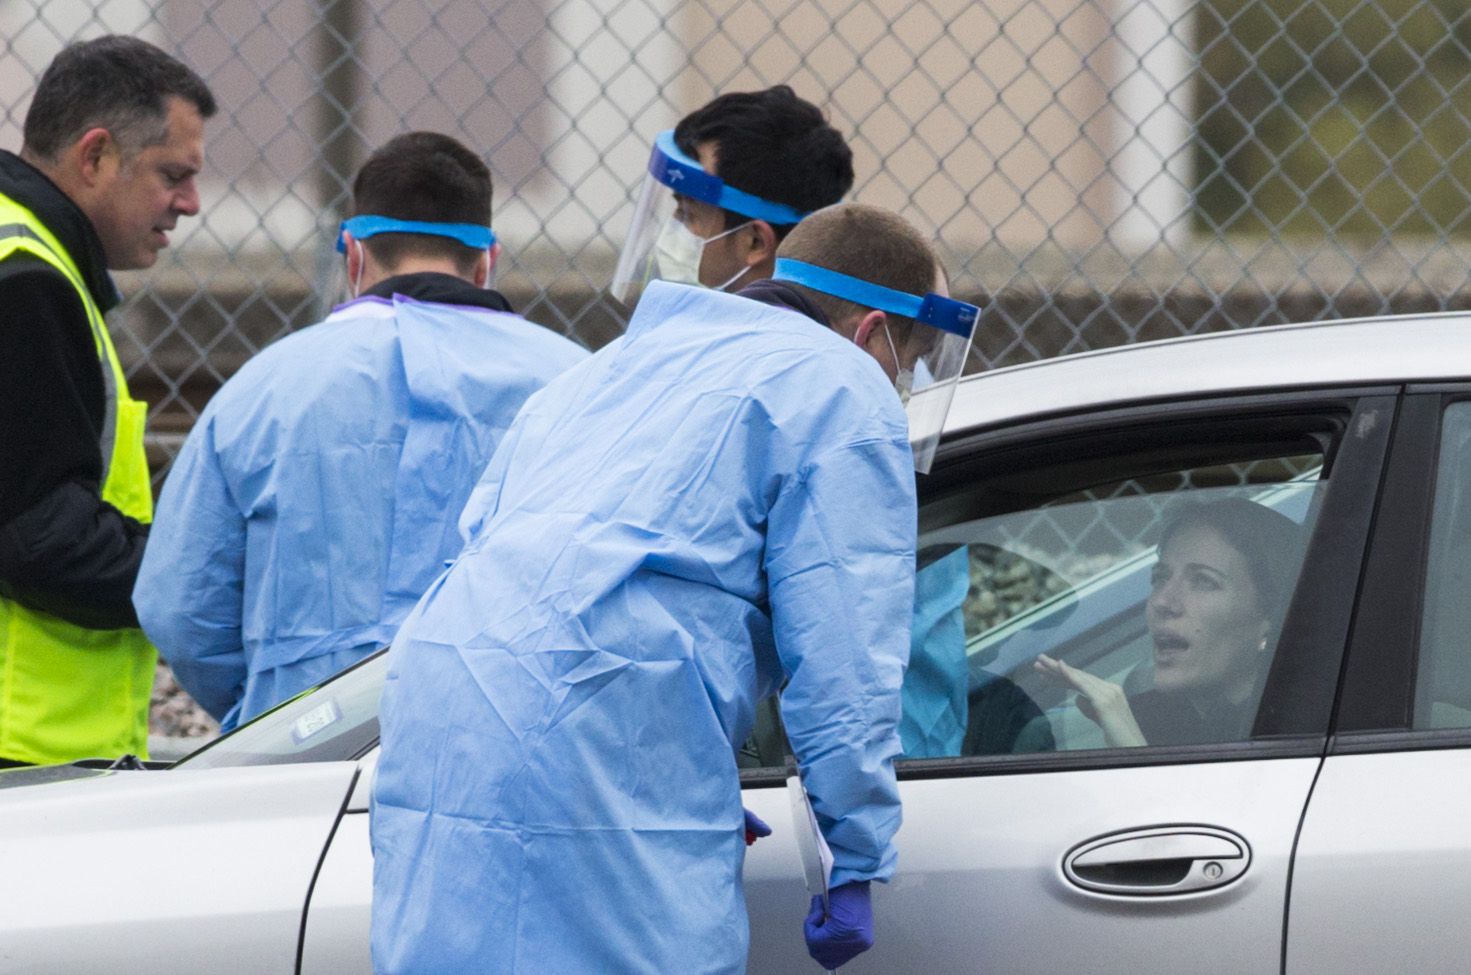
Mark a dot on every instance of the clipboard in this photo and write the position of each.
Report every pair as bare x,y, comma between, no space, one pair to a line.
817,857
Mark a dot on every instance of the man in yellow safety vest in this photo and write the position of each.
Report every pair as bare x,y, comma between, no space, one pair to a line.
113,140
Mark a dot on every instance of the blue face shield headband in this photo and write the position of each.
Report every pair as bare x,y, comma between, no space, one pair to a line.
367,225
932,358
936,311
686,176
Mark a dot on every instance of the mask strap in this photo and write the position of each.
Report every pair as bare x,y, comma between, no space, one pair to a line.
706,241
898,366
357,282
732,279
726,233
903,378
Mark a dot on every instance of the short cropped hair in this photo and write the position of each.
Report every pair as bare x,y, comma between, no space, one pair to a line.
774,145
117,83
423,176
864,242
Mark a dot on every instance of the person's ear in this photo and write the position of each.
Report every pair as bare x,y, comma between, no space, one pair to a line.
96,154
867,331
761,246
355,256
486,264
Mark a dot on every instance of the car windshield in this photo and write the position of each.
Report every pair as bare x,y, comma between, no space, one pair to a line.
335,722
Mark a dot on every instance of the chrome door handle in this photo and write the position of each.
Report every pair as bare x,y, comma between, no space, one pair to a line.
1158,861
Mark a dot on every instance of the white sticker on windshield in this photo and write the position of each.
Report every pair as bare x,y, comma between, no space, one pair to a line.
322,716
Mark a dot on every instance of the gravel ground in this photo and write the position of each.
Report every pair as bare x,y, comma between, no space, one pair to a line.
176,723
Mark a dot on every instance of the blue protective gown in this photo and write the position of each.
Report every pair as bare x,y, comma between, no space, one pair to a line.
936,683
317,496
722,497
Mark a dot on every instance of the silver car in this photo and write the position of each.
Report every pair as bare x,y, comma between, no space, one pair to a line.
1121,757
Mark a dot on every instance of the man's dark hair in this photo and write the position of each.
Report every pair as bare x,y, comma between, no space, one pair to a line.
774,145
117,83
423,176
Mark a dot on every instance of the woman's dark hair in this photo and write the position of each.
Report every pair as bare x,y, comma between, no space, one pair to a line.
1270,543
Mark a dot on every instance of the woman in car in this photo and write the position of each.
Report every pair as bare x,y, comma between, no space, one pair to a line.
1218,593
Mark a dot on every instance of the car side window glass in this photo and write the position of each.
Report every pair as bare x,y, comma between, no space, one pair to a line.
1443,676
1113,604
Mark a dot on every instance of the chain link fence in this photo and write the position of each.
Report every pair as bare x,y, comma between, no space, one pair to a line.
1096,171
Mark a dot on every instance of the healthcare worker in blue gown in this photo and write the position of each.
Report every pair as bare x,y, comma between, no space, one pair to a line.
935,685
717,503
719,224
318,494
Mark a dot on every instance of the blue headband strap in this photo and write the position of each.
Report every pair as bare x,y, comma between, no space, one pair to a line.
684,175
368,225
937,311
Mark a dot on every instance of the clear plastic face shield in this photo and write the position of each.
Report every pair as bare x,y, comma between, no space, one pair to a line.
680,212
369,225
928,360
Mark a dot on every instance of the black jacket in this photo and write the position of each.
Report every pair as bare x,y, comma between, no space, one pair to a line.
783,295
445,289
62,549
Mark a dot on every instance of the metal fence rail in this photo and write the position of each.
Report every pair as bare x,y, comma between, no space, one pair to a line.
1096,172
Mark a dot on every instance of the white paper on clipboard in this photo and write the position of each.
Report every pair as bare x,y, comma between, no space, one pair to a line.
817,858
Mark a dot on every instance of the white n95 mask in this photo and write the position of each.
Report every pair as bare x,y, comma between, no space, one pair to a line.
679,250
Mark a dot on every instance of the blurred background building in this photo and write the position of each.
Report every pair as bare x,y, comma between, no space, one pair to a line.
1097,171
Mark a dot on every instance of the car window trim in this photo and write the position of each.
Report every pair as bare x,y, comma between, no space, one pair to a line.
1321,608
977,766
1319,617
1144,413
1405,740
1376,705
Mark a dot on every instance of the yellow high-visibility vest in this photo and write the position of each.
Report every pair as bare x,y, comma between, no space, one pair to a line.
67,692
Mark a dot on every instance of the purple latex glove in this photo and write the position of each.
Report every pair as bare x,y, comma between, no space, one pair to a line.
846,932
755,828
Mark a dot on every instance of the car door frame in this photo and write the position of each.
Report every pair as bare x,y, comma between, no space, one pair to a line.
1372,877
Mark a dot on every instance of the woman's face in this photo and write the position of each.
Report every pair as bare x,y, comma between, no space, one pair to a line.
1204,614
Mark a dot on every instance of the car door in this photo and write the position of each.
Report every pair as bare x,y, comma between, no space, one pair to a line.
164,872
336,725
1380,881
335,931
1031,841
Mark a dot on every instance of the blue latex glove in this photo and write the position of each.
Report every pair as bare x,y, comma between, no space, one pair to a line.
846,932
755,828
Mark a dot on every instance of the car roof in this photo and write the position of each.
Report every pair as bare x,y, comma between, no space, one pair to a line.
1401,348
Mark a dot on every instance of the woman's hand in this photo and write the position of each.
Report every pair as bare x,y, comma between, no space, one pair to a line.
1102,702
